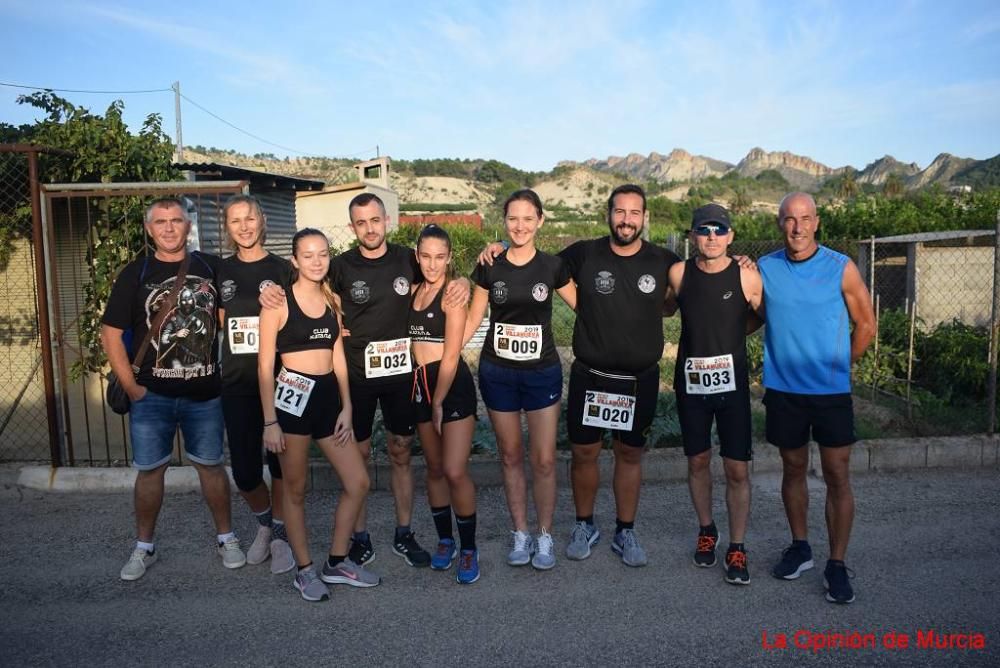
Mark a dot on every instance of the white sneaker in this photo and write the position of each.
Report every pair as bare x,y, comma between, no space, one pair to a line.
137,564
544,558
522,547
282,559
232,555
260,548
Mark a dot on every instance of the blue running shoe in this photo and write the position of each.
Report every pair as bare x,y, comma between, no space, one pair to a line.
444,554
468,567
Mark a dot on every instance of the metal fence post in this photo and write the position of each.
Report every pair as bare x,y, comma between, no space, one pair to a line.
994,330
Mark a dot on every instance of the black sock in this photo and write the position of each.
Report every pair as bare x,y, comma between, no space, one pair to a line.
304,567
442,522
362,537
333,559
467,530
802,545
619,525
736,546
401,531
278,531
589,519
264,518
709,530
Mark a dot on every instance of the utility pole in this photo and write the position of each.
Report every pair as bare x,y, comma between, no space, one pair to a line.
177,115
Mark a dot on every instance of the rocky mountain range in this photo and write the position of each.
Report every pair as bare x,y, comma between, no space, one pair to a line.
800,171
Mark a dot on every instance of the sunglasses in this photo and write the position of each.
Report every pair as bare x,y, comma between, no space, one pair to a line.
705,230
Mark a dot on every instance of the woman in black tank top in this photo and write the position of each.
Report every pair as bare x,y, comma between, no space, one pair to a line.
445,401
311,401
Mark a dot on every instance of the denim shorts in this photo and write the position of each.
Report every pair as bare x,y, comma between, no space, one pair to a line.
508,390
153,422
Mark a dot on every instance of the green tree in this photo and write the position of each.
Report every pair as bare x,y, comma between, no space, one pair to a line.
893,186
848,185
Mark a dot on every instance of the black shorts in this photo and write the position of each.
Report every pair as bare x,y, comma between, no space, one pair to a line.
645,387
459,403
731,412
319,414
397,409
245,431
791,416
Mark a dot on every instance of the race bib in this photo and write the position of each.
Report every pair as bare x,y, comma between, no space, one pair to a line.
710,375
608,411
292,393
517,342
387,358
243,335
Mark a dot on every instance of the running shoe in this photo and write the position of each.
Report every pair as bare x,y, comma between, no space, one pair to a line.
544,558
260,548
349,573
737,572
444,554
409,549
522,547
309,585
361,553
137,564
704,553
582,538
837,579
626,545
282,560
796,559
468,567
232,555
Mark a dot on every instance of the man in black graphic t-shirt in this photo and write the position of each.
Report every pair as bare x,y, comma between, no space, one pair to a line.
614,381
177,382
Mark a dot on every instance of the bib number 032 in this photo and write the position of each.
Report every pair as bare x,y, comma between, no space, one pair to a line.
387,358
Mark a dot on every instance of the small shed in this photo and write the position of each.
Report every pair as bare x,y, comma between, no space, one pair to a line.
276,193
948,275
327,210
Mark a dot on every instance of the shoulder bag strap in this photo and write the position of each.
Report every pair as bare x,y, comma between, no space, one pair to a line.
167,305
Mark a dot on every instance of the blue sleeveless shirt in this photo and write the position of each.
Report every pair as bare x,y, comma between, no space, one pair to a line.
807,341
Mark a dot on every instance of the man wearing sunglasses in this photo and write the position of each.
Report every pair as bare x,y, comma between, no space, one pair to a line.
812,295
715,295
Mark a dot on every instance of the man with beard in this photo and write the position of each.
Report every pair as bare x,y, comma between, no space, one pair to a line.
614,380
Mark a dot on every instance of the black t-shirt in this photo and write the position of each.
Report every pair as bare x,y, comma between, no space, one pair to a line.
712,356
240,284
182,358
619,304
375,297
521,295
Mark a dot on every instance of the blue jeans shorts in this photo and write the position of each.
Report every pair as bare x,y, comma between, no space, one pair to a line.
153,422
507,389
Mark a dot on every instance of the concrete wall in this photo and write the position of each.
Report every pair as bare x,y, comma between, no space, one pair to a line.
327,210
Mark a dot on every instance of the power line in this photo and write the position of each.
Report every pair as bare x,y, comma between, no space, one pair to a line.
77,90
239,129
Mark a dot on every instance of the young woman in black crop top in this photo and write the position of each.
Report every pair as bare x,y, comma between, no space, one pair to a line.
310,400
444,395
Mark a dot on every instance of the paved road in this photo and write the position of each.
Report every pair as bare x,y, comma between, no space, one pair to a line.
925,549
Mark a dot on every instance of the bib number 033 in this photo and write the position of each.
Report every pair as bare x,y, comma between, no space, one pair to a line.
709,375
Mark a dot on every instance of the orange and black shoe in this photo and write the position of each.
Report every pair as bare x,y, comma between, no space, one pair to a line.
704,554
736,566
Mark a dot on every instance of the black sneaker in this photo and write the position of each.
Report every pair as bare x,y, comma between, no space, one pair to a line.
408,548
795,560
704,554
737,572
360,553
837,579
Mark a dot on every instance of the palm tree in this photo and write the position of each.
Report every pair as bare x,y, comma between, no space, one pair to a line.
893,186
848,185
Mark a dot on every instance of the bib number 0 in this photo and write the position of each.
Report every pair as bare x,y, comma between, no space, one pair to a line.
709,375
609,411
292,392
244,334
387,358
518,343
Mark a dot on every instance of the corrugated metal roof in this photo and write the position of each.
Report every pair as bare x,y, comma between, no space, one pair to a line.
208,170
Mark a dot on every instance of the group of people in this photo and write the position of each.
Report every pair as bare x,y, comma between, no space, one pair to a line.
312,347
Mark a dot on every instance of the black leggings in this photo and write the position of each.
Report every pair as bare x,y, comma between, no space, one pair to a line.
244,431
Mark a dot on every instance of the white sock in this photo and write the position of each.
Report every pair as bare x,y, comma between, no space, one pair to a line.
149,547
223,537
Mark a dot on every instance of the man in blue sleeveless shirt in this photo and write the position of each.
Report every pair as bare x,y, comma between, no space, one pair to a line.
811,296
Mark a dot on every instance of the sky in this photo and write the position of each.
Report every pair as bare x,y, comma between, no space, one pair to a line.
529,83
